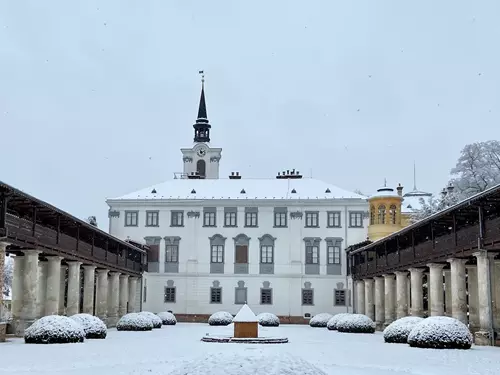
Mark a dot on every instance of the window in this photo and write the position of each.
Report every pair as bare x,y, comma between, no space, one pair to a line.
241,255
392,214
266,254
131,218
307,296
240,293
266,296
381,214
333,254
312,219
217,254
372,215
177,219
333,220
172,253
280,219
250,219
216,295
152,218
170,294
356,219
312,254
339,298
230,219
209,219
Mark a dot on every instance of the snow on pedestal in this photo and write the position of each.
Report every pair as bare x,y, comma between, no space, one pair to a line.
246,324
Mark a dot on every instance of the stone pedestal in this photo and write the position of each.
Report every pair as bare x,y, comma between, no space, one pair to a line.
379,303
132,291
53,295
436,289
88,289
360,297
389,287
458,290
401,294
417,298
369,299
102,294
122,309
113,298
73,303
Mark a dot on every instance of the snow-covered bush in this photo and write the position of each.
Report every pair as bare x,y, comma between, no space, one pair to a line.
440,332
54,329
220,318
157,322
93,327
268,320
320,320
167,318
332,323
398,331
355,323
134,322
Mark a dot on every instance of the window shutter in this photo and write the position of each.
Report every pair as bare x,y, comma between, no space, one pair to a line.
153,255
241,254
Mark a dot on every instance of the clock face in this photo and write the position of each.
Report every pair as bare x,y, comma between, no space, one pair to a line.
202,152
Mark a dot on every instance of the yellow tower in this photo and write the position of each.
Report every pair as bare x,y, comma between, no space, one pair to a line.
385,212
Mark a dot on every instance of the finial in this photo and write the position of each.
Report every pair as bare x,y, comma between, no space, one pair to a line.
202,76
385,182
414,176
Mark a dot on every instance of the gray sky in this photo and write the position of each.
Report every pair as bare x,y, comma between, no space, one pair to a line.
97,97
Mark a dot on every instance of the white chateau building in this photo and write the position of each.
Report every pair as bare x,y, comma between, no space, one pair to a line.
216,243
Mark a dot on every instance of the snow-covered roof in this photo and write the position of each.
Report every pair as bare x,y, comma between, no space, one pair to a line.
197,189
385,192
411,201
245,315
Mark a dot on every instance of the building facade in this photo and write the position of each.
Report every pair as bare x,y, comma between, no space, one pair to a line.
277,244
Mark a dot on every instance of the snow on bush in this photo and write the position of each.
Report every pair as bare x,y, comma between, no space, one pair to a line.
320,320
54,329
355,323
220,318
332,323
157,322
167,318
398,331
258,362
268,320
93,327
440,332
134,322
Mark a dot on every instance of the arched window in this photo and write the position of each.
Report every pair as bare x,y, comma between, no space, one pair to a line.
381,214
392,214
201,167
372,215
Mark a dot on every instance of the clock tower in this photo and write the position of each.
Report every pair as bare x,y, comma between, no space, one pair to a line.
202,158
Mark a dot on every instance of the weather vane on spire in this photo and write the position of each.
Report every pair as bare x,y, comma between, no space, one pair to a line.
202,76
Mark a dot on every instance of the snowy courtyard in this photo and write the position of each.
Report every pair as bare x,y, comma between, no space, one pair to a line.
164,351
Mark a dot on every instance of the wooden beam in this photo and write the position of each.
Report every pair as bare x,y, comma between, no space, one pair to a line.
480,236
34,212
77,236
58,229
93,244
3,209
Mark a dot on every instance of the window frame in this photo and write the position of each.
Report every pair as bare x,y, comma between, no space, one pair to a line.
282,221
249,216
353,216
269,297
171,247
175,215
216,289
336,252
152,218
342,297
265,259
167,296
221,254
207,219
312,219
129,215
331,217
310,254
230,215
304,300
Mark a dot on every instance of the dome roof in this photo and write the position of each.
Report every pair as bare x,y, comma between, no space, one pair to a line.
385,192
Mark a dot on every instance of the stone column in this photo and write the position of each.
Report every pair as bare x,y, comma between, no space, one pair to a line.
30,290
447,292
88,289
473,300
53,295
42,289
122,309
379,303
496,296
73,303
360,297
101,307
62,289
436,288
113,298
401,294
428,278
417,298
369,302
484,288
458,290
17,289
389,299
132,291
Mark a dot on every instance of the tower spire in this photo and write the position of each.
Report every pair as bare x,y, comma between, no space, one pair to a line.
414,176
202,126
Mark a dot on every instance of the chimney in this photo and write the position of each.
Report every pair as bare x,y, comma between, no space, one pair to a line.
289,174
194,176
235,176
400,190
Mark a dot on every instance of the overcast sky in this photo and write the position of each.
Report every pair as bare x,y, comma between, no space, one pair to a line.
97,97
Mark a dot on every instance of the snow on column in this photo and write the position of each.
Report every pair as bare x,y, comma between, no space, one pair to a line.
53,288
447,292
42,289
30,289
88,289
417,296
122,309
132,291
113,298
369,303
473,301
73,301
483,295
401,294
62,288
360,297
101,301
458,290
435,286
389,299
17,289
379,302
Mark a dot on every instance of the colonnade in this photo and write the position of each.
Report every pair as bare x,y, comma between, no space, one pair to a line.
49,287
469,293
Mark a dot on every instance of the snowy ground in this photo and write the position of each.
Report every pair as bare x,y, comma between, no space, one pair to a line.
161,351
